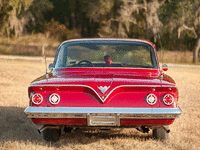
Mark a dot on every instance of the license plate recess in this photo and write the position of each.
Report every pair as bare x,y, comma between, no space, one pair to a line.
100,119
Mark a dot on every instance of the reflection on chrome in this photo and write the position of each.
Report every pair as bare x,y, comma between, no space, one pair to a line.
82,112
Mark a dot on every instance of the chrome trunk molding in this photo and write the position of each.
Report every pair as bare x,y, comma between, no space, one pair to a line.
103,100
84,112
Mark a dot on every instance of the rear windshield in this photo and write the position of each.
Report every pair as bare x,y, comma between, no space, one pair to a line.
106,54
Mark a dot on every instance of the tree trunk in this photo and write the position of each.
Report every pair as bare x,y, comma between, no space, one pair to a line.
146,18
196,48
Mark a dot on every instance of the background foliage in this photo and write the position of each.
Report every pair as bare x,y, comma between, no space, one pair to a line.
170,24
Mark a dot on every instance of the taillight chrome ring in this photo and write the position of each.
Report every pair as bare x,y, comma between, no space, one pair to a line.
54,98
168,99
36,98
151,99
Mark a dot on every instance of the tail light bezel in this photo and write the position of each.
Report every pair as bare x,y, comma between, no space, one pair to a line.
57,101
168,95
149,101
34,95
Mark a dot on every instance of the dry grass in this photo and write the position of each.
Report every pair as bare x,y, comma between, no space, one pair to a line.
31,45
31,40
182,57
18,132
28,45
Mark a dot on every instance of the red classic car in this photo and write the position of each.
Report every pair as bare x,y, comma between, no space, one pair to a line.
104,83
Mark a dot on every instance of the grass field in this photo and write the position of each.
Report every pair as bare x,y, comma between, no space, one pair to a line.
31,45
17,132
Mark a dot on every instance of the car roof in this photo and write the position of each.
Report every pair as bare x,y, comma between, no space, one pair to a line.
108,39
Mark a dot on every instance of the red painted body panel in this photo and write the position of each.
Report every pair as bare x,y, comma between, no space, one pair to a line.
146,121
71,88
83,121
120,97
60,121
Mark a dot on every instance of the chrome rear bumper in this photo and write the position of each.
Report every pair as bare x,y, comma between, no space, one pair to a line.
85,112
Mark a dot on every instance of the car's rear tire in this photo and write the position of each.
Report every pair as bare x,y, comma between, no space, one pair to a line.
51,134
160,133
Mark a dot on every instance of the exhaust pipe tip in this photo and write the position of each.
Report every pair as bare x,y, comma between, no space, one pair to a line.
166,129
41,129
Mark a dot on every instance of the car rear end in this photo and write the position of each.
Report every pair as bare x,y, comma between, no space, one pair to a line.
85,93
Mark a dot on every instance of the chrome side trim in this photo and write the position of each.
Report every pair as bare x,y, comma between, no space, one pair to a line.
103,100
83,112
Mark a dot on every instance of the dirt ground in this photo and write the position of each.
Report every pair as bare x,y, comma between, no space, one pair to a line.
18,132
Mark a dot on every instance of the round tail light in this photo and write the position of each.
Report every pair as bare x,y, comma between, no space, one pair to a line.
168,99
54,98
37,98
151,99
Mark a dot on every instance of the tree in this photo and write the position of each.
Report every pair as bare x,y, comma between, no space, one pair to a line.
115,17
191,22
152,20
183,15
39,9
97,13
5,9
15,18
121,16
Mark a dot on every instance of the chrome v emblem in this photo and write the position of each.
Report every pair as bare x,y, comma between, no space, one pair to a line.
103,89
